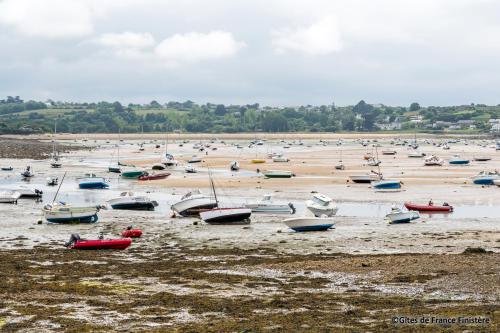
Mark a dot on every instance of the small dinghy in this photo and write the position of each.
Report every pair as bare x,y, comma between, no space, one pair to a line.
7,169
416,154
398,216
226,215
9,197
433,160
430,207
486,178
127,201
457,160
280,159
28,172
26,192
130,232
278,174
77,243
321,205
192,203
482,159
301,224
154,176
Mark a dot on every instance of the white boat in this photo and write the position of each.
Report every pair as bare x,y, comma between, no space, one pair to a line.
235,166
309,223
55,162
194,159
158,166
192,202
496,182
65,213
266,205
25,191
416,154
190,169
52,181
127,201
321,205
226,215
28,172
280,159
373,162
9,196
433,160
398,216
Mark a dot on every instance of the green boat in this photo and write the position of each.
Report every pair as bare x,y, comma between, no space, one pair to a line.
278,174
132,174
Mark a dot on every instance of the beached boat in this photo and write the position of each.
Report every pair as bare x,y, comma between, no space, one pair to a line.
28,172
321,205
25,191
398,216
445,207
416,154
91,181
9,196
132,173
52,181
389,152
280,158
266,205
65,213
190,169
496,182
486,178
192,203
158,166
76,243
309,223
235,166
278,174
367,178
130,232
257,161
458,160
433,160
7,169
388,185
482,159
127,201
194,159
373,162
153,176
55,161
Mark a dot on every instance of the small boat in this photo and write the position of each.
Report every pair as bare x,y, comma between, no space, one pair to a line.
266,205
194,159
416,154
398,216
257,161
127,201
9,196
190,169
235,166
309,223
368,178
26,192
65,213
486,178
496,182
154,176
445,207
131,233
158,166
52,181
445,146
76,243
389,152
433,160
28,172
482,159
382,185
280,159
226,215
91,181
321,205
55,162
278,174
192,203
7,169
114,168
459,161
132,173
340,166
373,162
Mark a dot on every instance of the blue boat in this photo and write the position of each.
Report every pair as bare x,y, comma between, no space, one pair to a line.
91,181
486,178
387,185
458,161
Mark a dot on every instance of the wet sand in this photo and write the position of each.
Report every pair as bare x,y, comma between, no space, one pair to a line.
187,276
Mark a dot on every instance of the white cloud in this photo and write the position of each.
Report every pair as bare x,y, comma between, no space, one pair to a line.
320,38
127,40
49,18
195,46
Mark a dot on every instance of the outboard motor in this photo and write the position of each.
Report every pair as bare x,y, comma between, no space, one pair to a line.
130,227
292,207
72,240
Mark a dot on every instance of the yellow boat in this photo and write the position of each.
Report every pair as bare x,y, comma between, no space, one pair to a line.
258,160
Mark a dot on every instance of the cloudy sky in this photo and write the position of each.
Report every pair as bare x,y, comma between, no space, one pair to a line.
274,52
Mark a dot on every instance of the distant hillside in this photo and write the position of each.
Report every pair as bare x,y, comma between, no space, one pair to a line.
19,117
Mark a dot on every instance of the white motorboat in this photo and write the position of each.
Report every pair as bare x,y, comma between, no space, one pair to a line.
28,172
266,205
192,203
373,162
399,216
9,196
52,181
309,223
433,160
127,201
416,154
25,191
65,213
194,159
190,169
321,205
280,158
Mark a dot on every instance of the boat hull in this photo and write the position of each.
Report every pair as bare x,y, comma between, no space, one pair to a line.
271,209
403,217
427,208
71,218
387,185
460,162
102,244
193,206
132,174
309,224
93,185
363,179
226,216
485,180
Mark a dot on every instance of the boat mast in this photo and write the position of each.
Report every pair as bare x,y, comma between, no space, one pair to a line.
119,141
213,186
60,184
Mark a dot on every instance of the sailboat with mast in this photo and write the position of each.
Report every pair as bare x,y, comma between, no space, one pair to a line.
169,160
218,215
115,168
385,184
55,161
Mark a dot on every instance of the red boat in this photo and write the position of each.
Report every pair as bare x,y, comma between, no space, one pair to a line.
76,243
429,208
132,233
161,175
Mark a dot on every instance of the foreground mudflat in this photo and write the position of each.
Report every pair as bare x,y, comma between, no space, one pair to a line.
169,287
